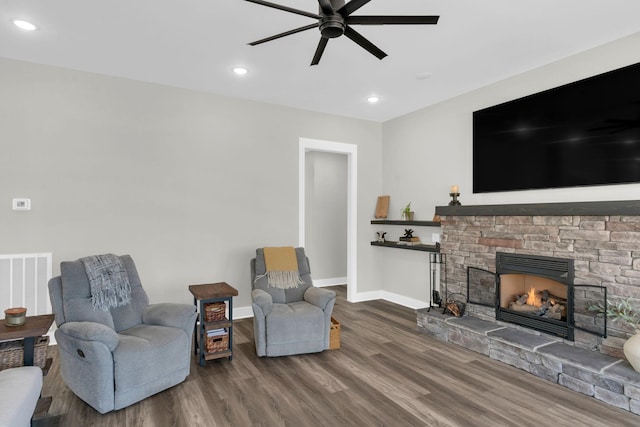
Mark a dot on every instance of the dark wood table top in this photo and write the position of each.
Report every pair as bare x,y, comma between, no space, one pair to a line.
213,290
34,327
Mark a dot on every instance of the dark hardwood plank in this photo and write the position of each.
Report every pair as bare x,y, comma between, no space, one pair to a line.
386,373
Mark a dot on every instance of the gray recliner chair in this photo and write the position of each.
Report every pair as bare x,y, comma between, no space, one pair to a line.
112,359
289,321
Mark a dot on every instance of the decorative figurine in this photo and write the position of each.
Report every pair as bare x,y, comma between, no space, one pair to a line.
408,233
381,235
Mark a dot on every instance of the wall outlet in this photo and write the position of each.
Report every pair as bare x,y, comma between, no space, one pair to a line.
435,237
21,204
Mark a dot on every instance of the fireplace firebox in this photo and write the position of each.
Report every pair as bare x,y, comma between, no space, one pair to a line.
536,292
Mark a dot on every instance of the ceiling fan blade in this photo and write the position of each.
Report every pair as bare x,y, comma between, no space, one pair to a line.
319,50
366,44
351,7
286,8
286,33
392,20
326,7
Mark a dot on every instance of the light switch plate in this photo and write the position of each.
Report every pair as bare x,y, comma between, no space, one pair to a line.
21,204
435,237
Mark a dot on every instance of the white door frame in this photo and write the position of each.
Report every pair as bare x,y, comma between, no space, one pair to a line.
351,151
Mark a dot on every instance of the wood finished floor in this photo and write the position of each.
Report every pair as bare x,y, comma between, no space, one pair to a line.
386,374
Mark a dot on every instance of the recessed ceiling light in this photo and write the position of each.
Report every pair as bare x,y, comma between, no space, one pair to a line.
24,25
241,71
373,99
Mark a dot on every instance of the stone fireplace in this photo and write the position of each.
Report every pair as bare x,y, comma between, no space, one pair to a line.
601,239
575,254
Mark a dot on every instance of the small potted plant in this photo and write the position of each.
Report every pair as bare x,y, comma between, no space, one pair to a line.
623,311
407,213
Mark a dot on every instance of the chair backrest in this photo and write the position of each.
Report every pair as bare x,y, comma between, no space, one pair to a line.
71,293
281,296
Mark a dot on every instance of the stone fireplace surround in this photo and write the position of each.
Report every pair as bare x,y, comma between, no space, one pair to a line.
603,239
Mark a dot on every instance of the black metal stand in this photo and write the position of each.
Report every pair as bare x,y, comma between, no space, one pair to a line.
436,262
201,328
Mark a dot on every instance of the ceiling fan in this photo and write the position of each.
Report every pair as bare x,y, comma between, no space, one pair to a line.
335,19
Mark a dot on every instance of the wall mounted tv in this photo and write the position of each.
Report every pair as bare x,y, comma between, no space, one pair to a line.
583,133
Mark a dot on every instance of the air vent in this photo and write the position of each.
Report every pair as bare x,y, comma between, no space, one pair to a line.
557,268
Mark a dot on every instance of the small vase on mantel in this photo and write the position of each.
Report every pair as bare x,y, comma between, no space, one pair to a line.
631,350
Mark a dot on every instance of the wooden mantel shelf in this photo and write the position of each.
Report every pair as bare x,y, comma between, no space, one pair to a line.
624,207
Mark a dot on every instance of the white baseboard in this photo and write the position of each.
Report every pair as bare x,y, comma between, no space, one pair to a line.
329,282
391,297
242,312
367,296
404,301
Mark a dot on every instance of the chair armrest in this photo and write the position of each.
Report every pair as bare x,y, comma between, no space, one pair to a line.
170,314
319,297
263,300
91,331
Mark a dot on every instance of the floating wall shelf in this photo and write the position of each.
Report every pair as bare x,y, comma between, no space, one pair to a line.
415,223
423,248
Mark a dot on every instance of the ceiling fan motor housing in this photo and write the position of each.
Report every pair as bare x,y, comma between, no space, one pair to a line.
332,26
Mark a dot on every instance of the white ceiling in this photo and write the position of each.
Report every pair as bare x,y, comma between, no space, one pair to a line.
194,44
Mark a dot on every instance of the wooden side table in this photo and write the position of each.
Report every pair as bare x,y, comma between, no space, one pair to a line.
206,294
34,327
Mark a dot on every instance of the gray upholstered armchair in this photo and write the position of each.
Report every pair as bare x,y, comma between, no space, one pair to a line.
289,321
112,359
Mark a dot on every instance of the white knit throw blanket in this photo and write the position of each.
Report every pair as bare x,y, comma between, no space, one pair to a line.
109,281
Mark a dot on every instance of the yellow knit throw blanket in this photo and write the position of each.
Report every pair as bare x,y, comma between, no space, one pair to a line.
282,267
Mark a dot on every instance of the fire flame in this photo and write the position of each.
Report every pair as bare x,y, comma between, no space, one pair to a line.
532,299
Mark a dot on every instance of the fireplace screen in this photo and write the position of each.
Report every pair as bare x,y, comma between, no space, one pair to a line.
481,287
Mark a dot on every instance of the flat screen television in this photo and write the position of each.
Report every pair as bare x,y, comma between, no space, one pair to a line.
583,133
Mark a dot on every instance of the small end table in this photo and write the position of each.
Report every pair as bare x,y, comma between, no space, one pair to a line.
33,327
205,294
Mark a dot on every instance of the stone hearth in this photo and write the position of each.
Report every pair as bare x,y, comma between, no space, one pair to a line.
603,377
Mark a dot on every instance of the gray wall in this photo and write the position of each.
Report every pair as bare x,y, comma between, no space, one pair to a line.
326,214
187,183
427,151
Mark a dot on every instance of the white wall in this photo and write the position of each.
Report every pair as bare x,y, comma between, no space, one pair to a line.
187,183
426,152
326,214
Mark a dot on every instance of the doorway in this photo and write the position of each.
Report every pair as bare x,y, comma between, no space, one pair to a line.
307,146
